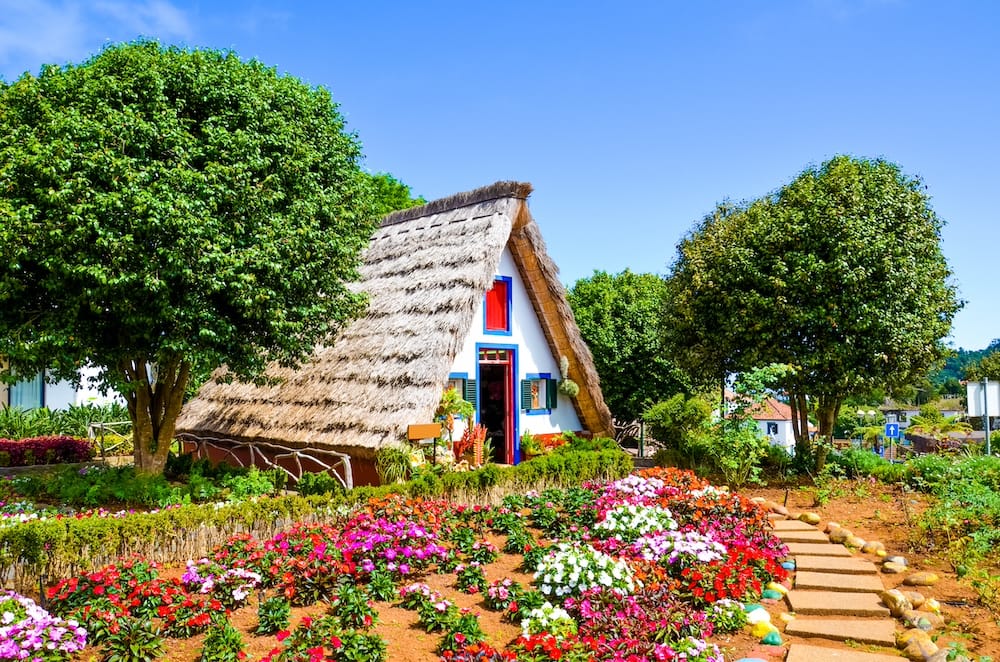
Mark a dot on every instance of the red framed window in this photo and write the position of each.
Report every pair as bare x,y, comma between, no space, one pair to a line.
498,307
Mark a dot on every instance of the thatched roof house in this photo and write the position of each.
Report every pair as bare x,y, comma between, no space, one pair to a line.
429,272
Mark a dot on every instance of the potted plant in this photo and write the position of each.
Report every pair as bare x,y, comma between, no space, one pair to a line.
530,445
392,463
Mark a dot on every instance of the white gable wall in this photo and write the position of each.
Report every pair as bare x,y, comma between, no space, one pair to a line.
532,356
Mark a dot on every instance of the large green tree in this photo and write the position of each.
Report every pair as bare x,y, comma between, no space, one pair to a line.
618,316
839,274
165,210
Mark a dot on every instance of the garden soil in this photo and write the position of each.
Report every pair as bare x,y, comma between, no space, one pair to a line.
871,511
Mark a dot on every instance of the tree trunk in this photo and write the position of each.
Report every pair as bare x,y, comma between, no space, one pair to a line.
826,411
154,402
800,422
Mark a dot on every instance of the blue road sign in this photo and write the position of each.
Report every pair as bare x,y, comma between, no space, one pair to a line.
892,430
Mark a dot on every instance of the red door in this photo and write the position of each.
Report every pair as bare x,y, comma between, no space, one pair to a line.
496,399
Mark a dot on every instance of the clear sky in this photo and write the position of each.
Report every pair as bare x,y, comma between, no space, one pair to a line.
631,119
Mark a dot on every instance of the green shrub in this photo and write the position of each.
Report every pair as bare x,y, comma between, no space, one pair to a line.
392,463
928,473
273,615
253,482
777,459
223,642
319,482
135,641
857,462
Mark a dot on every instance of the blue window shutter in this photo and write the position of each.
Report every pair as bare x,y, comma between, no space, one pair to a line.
551,393
525,394
471,392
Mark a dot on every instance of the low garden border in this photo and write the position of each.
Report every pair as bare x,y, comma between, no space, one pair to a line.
36,551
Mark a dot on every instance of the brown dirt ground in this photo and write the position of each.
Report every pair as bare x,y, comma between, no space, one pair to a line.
873,512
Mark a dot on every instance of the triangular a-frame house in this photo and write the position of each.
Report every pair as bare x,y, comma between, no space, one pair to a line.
462,293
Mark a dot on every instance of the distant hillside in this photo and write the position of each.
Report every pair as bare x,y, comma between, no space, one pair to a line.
954,367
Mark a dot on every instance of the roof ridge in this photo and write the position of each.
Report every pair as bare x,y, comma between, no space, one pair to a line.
505,189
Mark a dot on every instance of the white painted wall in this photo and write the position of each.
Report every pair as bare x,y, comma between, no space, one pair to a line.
784,437
63,394
533,355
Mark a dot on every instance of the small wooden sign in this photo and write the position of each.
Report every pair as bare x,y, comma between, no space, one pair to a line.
423,431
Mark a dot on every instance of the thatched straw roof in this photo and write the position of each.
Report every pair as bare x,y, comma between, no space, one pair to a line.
425,271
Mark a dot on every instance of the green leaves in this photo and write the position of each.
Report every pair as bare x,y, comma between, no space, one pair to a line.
619,318
839,273
167,207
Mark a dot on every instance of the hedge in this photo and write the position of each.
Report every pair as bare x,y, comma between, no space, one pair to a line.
48,549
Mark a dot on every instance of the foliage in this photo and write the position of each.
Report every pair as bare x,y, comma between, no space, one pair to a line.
273,615
736,445
839,273
670,546
973,364
223,643
44,450
681,425
254,482
450,407
931,423
50,544
530,444
319,482
860,463
74,421
618,316
392,195
353,609
168,211
392,463
133,640
322,639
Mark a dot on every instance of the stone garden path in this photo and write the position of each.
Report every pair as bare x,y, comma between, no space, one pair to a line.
835,596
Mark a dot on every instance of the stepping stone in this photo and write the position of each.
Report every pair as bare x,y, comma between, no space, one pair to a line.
792,525
836,564
828,581
806,653
800,549
811,535
831,603
881,632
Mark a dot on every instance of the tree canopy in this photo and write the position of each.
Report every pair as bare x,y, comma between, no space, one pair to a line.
165,210
618,316
987,367
839,274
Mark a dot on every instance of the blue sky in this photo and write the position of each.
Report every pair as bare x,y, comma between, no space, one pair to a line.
631,119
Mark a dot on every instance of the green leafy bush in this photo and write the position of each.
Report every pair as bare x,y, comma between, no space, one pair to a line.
223,642
392,463
252,483
134,640
858,463
319,482
273,615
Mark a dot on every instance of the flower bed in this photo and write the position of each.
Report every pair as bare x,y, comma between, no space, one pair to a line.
648,567
44,450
